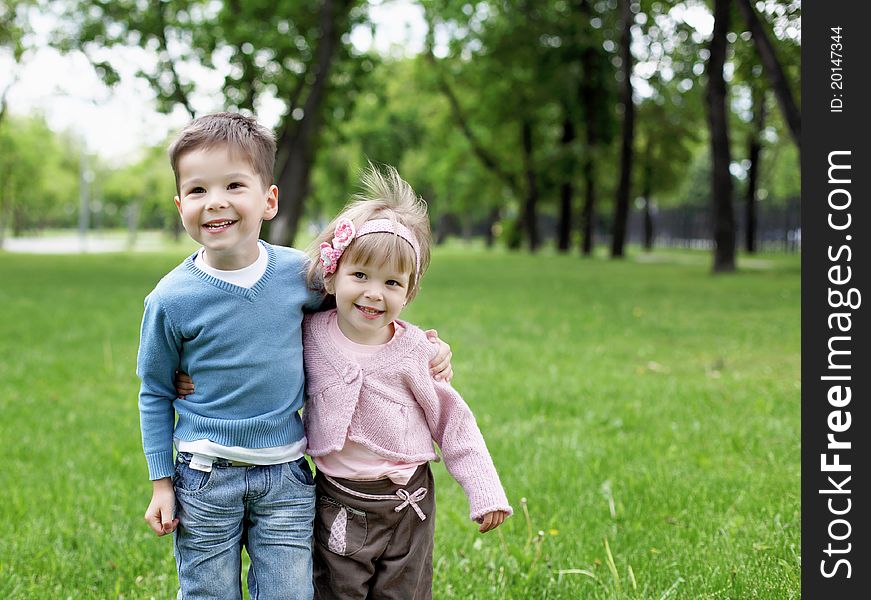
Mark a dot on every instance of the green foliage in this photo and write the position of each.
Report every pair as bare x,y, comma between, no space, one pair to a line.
260,48
780,163
781,168
40,178
146,186
506,63
39,175
648,413
398,118
13,26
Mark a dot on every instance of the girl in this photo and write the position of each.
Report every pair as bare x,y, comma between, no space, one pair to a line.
373,411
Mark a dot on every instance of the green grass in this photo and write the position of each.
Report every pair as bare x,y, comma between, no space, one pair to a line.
648,413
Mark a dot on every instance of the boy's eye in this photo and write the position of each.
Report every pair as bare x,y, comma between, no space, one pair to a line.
197,190
234,185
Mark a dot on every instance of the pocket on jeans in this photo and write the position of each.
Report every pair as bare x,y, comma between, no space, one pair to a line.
298,471
189,480
340,529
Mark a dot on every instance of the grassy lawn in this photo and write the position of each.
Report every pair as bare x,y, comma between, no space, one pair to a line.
644,417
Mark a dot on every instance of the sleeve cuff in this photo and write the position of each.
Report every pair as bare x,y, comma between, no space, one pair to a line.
160,465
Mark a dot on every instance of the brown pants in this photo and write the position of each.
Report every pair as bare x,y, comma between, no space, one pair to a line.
364,548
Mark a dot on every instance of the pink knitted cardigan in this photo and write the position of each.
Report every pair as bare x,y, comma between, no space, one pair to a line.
393,407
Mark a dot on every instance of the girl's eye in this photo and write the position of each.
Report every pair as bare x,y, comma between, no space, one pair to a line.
360,275
392,282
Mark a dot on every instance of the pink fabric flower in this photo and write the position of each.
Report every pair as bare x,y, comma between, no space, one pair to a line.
344,234
329,257
331,253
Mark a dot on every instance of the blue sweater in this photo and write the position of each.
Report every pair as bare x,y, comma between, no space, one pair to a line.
242,347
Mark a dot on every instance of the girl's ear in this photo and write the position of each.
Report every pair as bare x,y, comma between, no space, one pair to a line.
329,284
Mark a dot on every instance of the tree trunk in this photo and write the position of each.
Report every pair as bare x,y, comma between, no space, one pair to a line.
492,219
564,225
530,215
646,193
132,224
774,70
721,179
588,213
297,144
4,207
754,151
17,219
587,94
3,103
648,224
621,206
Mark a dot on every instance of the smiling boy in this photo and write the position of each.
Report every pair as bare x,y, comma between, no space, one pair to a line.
230,315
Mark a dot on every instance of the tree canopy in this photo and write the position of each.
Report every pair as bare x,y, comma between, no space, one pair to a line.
509,121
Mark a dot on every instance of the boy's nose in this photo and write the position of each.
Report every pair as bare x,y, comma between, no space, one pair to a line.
215,201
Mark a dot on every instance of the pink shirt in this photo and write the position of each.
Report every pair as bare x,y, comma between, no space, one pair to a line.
355,461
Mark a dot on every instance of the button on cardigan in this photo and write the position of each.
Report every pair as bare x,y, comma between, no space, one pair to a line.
392,406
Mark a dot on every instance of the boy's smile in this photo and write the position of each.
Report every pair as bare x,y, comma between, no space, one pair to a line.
218,225
222,203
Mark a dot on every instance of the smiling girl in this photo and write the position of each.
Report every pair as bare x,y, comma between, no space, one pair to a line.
373,412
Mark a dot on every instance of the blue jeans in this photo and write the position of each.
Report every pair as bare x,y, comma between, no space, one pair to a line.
268,509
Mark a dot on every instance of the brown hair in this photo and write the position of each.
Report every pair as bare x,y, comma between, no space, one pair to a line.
242,135
385,195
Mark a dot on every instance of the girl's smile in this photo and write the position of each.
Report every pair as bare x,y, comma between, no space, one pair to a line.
368,299
368,312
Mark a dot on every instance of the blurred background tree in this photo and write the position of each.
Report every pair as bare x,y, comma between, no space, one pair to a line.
516,120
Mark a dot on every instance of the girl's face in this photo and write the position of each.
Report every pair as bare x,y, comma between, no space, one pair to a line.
368,299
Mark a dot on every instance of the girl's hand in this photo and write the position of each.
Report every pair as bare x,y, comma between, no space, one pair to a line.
492,520
440,366
184,385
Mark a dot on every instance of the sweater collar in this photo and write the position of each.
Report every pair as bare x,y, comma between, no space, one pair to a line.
249,293
387,356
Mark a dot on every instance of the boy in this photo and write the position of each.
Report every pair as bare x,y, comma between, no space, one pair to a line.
230,315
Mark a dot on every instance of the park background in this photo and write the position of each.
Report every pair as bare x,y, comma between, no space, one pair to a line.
617,269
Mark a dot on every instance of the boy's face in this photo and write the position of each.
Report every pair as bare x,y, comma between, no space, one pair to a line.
222,203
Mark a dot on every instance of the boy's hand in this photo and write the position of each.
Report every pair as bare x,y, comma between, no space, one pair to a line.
440,366
160,512
492,520
184,385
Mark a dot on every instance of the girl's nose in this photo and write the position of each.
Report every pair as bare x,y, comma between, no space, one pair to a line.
373,292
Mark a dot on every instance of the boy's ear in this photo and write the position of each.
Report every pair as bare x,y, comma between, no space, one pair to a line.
271,203
177,201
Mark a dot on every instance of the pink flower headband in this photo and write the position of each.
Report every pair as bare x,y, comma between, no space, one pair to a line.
346,233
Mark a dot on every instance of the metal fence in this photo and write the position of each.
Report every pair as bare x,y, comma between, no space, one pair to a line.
778,227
